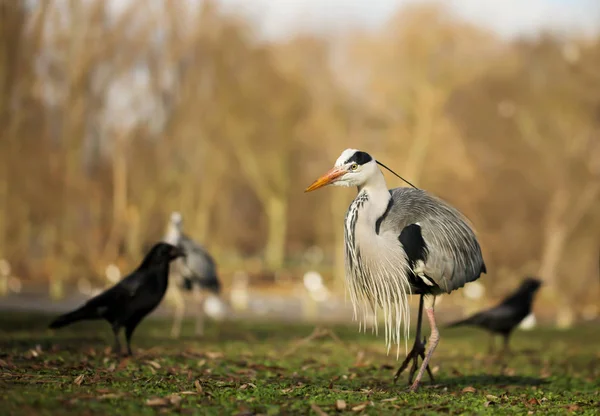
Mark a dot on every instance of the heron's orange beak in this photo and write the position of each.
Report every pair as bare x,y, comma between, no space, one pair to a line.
326,179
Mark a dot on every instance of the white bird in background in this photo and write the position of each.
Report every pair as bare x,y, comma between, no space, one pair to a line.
399,242
197,269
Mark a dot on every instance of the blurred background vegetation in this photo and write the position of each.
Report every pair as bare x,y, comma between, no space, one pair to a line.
114,115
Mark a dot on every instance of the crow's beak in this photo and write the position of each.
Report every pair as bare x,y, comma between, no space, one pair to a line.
326,179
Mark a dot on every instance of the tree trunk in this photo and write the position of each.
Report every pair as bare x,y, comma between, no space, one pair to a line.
276,210
555,239
426,108
119,178
201,221
3,206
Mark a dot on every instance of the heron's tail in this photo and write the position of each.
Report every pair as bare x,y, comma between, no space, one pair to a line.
211,284
69,318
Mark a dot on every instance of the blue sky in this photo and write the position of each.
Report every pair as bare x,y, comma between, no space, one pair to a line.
506,17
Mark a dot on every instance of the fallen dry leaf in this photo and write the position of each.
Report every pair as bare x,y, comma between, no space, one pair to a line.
123,364
573,408
153,364
533,400
469,389
187,393
318,410
359,359
157,401
286,391
489,403
198,386
491,397
360,407
174,399
214,355
340,404
391,399
109,396
79,380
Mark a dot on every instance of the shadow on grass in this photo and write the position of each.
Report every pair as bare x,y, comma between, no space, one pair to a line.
460,382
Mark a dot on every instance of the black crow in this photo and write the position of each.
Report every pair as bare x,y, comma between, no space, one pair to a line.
129,301
505,317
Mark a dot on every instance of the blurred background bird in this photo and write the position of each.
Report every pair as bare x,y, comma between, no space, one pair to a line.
399,242
504,318
125,304
196,271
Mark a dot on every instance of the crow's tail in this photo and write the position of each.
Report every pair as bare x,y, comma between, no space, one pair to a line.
467,321
69,318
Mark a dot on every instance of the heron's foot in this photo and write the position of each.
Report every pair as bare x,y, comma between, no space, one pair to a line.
417,351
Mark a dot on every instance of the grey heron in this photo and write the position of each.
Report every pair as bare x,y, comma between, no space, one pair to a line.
505,317
197,269
399,242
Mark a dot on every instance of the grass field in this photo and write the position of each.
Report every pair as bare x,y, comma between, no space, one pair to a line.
276,368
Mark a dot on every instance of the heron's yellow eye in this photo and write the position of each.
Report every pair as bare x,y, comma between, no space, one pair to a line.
353,166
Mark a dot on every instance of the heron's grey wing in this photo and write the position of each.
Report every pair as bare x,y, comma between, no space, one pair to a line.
199,262
451,255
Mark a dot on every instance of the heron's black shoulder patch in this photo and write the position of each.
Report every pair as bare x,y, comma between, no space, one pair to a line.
360,158
413,243
385,214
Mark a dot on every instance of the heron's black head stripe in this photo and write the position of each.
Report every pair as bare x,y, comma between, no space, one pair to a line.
360,158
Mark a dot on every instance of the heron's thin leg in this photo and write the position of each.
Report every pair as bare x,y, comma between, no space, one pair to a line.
178,313
434,338
200,311
417,350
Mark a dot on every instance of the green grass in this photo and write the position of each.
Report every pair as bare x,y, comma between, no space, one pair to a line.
262,368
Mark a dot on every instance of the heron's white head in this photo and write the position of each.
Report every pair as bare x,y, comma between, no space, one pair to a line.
352,168
176,219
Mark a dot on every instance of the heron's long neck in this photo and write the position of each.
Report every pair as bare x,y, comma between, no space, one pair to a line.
378,198
173,235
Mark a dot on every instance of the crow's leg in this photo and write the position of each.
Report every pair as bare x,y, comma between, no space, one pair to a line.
116,329
492,343
128,333
434,338
506,348
417,350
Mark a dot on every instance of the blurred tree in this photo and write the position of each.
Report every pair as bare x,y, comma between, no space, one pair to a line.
542,126
410,74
